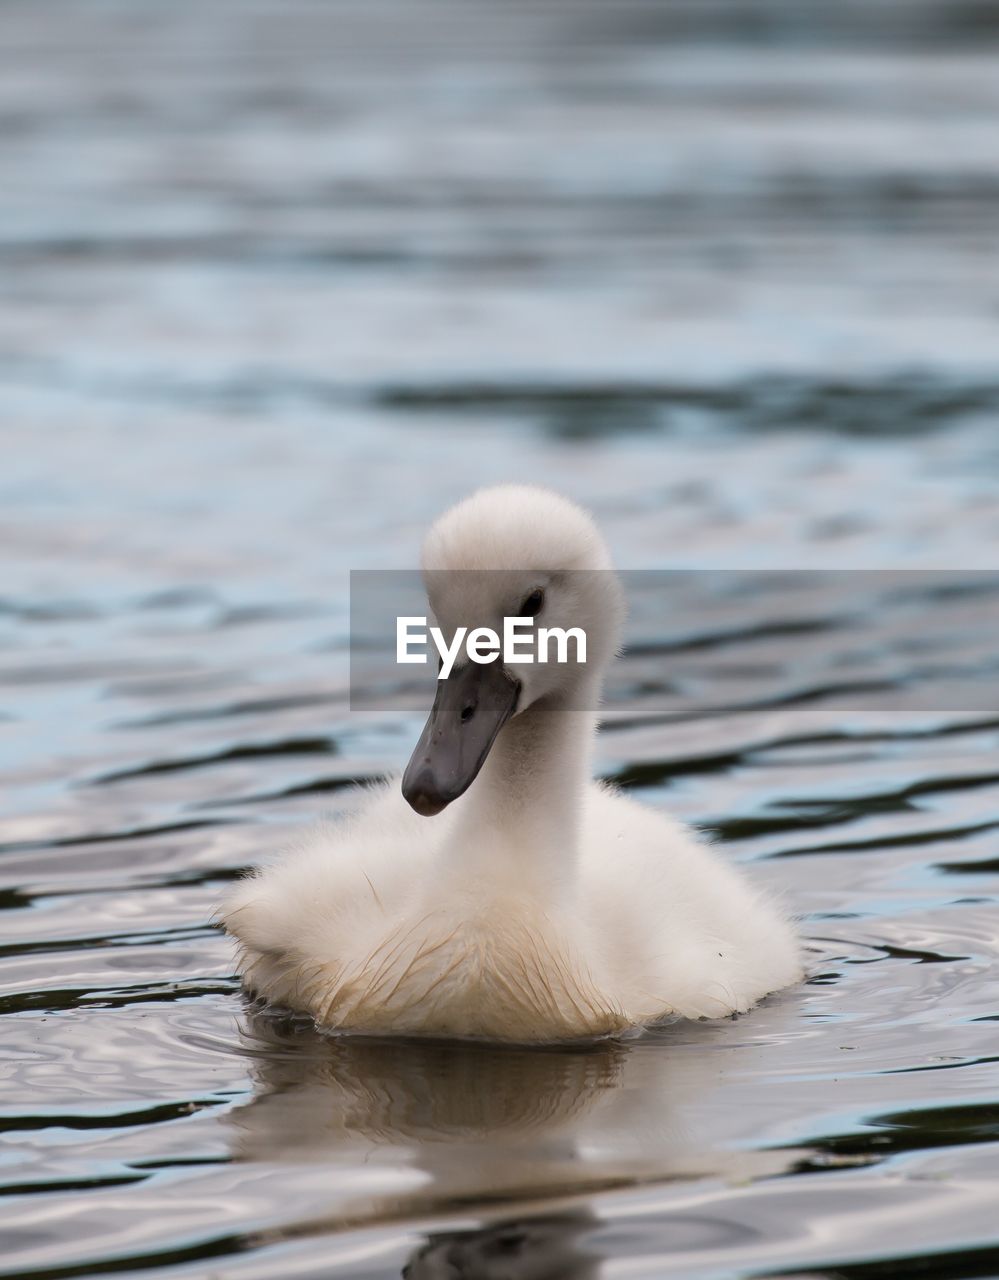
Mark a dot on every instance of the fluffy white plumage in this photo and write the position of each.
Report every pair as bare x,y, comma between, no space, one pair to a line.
539,905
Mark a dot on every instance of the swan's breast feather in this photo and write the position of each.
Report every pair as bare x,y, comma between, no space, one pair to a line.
497,974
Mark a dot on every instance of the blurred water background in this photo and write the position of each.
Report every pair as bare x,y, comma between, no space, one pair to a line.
277,283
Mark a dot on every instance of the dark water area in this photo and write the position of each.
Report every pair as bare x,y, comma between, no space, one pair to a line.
277,284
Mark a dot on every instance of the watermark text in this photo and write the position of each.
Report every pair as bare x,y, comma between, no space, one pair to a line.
521,642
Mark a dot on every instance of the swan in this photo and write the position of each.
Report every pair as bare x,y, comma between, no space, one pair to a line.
500,892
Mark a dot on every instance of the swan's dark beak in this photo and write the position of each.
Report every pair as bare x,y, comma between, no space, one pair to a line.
470,708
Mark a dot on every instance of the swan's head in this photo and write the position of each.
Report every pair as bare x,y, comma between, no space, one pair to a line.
513,551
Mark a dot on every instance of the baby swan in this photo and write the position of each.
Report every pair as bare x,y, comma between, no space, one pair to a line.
501,892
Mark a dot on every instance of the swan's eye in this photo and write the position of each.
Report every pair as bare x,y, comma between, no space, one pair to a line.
533,605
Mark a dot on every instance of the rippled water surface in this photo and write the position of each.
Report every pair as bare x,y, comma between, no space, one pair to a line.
277,283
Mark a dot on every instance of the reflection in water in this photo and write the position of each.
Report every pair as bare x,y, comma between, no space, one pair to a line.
314,1089
552,1247
472,1118
481,1125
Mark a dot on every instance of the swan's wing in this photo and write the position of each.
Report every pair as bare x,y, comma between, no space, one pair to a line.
671,921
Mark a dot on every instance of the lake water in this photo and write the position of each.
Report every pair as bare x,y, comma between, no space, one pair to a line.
280,281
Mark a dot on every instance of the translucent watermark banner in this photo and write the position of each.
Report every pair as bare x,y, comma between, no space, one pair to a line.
686,640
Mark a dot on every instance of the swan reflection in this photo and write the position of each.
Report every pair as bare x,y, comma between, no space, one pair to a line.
407,1130
472,1116
543,1248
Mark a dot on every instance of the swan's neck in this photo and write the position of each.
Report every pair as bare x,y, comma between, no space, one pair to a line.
519,823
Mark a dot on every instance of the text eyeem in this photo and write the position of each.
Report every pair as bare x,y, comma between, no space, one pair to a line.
520,642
